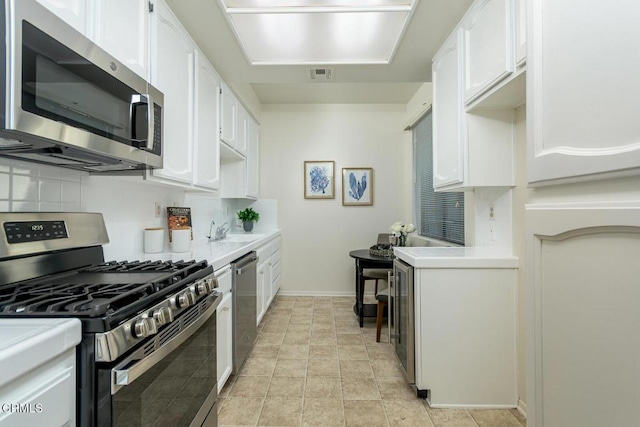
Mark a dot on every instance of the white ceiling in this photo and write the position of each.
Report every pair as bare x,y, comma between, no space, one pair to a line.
396,82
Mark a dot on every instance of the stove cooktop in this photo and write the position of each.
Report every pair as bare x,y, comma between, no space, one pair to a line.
108,293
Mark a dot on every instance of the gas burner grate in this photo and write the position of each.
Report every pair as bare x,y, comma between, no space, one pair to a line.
113,288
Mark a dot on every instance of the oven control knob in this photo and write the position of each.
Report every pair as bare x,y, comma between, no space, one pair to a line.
163,315
203,287
144,327
186,299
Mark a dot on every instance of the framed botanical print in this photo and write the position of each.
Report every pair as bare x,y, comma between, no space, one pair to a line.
319,179
357,186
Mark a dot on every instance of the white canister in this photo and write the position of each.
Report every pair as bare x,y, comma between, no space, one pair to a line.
153,240
181,239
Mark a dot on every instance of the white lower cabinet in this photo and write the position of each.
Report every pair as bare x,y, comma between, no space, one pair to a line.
224,327
583,320
275,265
269,267
263,289
465,336
38,359
224,340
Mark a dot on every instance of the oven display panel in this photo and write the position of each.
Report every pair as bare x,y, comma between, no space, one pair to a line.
33,231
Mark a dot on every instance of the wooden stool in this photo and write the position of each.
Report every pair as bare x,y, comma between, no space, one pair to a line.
383,301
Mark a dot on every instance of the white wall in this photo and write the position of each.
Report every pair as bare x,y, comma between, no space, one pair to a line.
318,234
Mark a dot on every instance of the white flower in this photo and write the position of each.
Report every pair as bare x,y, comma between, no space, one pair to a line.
396,227
409,228
400,228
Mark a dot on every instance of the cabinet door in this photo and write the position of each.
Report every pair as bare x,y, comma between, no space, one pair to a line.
252,158
262,291
172,73
241,129
520,32
74,12
488,50
582,115
229,117
207,143
448,150
275,273
224,340
582,281
122,29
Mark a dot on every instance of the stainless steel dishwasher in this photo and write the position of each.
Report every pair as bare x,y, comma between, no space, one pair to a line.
244,307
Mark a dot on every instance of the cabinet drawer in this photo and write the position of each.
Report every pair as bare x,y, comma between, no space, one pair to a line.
276,256
275,268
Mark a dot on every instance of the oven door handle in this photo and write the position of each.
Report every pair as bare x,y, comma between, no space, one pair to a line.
124,374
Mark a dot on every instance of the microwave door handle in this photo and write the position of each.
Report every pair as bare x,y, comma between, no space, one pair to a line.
145,99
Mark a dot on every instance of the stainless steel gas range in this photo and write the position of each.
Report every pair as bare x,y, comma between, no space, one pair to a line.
148,350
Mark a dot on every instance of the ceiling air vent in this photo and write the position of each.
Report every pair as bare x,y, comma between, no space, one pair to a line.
321,74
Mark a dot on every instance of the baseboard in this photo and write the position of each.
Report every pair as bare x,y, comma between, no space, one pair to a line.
522,408
467,406
316,294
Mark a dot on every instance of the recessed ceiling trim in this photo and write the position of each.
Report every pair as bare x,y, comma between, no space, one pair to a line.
365,36
276,10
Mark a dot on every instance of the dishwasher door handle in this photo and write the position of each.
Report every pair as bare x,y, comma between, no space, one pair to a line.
246,266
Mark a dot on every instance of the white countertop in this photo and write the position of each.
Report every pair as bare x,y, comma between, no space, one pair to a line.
26,344
218,254
456,257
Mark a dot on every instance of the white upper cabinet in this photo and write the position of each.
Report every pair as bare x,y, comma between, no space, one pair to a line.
172,72
252,158
122,29
207,145
488,46
470,149
76,13
582,90
229,117
447,115
241,129
520,32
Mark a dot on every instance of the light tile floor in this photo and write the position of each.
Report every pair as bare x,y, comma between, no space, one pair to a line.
312,365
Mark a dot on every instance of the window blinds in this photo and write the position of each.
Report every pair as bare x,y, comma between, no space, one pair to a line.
439,215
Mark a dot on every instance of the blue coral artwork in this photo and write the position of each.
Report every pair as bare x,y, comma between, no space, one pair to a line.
318,180
357,186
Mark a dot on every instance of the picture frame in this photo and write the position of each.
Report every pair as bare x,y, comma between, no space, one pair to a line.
357,186
319,179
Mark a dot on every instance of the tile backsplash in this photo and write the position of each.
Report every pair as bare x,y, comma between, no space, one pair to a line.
126,203
40,188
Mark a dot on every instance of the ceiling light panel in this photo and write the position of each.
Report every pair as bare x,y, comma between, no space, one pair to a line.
319,38
260,4
319,31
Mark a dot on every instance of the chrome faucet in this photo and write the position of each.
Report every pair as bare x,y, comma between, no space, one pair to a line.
221,232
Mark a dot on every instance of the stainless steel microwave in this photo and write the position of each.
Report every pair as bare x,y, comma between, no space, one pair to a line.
67,102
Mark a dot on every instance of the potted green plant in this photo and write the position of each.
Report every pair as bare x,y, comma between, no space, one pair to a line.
248,216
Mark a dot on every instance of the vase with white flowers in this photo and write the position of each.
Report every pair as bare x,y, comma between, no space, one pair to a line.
402,230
